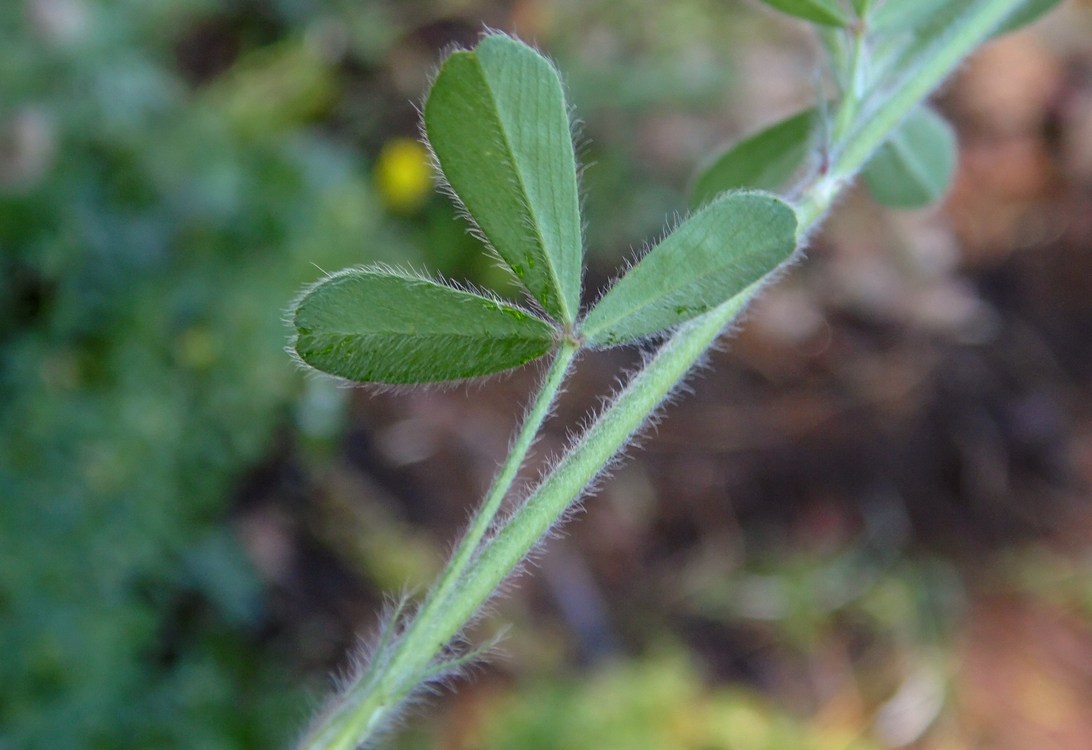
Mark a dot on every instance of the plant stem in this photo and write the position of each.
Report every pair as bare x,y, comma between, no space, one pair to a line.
610,432
350,720
885,108
486,514
853,83
477,568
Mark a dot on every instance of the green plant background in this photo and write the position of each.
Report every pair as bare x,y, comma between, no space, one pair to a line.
191,532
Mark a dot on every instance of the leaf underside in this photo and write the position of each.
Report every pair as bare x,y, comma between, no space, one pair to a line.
765,160
498,123
717,253
1028,12
916,165
376,325
825,12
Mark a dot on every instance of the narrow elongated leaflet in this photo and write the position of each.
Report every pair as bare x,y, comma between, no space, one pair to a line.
826,12
762,161
375,325
497,121
915,166
716,254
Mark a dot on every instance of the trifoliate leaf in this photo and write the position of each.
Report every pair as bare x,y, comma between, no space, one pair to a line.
762,161
376,325
915,166
714,255
826,12
498,123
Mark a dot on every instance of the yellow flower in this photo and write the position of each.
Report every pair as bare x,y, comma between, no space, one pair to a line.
403,175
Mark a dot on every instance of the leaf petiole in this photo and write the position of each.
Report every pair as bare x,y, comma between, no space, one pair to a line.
485,516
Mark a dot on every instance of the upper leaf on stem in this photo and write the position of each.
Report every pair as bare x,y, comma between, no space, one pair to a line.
915,166
765,160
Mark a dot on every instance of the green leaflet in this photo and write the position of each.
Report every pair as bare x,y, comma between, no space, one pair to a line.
497,121
717,253
915,166
375,325
763,161
1027,13
826,12
862,7
895,16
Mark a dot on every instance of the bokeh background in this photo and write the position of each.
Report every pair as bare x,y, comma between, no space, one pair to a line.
866,525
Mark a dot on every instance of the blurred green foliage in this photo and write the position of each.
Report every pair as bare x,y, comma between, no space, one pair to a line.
153,226
659,702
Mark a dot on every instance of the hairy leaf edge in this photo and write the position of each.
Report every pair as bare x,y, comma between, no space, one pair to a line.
576,136
289,319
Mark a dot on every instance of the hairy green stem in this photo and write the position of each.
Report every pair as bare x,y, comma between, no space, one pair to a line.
364,707
486,514
479,568
609,433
